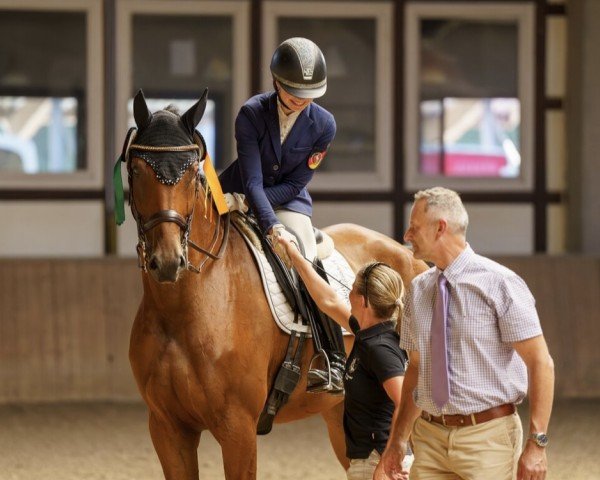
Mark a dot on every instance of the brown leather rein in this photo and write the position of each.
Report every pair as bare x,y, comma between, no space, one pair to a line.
184,223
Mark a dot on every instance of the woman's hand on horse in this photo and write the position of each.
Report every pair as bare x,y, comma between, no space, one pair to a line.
236,201
290,246
282,243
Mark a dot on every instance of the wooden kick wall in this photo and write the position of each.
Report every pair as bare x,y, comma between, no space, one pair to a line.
64,325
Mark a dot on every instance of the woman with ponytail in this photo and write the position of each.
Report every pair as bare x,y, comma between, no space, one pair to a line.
375,367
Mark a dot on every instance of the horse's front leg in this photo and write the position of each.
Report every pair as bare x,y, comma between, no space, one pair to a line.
237,437
334,418
176,446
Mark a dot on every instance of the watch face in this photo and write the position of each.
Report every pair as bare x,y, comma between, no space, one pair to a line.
541,439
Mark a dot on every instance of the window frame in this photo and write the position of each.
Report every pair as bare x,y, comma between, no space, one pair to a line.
382,178
524,16
126,9
93,175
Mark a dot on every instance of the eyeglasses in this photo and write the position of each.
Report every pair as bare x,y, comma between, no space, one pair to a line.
366,275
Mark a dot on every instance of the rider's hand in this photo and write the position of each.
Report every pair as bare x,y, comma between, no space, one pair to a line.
236,201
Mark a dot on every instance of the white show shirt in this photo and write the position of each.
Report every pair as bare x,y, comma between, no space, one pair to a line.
286,122
490,308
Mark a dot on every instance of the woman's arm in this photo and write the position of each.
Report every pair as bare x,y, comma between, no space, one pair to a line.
321,292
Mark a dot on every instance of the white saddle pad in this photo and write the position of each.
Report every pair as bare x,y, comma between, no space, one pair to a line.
338,273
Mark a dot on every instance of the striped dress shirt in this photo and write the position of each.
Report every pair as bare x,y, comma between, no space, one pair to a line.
490,309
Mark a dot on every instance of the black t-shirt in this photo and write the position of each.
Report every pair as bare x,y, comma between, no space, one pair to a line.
375,358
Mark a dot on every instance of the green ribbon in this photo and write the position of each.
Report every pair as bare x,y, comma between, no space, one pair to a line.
119,195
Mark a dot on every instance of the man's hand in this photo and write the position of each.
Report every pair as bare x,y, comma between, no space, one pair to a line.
392,460
379,474
236,201
533,464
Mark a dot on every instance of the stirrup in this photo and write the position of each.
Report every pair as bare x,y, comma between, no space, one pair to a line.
321,353
327,385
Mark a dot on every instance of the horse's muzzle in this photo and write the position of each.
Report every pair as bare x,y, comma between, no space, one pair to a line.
166,270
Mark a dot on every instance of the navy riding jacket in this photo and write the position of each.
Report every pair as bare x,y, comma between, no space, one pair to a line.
270,174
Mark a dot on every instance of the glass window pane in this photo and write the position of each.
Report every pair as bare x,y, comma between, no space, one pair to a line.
207,126
349,48
470,137
175,58
42,91
470,114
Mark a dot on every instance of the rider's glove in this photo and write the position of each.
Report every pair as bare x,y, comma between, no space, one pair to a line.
236,201
279,231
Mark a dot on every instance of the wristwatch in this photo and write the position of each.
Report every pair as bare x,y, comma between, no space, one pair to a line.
540,439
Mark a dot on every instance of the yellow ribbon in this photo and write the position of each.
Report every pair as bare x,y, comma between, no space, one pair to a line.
215,186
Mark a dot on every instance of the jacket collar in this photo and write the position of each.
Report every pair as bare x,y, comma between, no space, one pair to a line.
273,125
303,122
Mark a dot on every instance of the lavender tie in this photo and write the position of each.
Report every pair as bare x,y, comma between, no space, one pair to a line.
440,385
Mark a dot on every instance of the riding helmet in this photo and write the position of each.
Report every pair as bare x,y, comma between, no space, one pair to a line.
299,66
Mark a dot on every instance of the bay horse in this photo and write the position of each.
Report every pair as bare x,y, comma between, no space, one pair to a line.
204,348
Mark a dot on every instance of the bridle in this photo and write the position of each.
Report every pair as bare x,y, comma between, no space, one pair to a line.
163,216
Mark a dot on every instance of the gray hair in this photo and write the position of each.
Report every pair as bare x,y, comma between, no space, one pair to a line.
445,204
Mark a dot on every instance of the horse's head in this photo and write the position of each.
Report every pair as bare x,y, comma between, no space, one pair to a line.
163,157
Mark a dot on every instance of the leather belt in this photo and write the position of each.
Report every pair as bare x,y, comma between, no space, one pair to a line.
473,418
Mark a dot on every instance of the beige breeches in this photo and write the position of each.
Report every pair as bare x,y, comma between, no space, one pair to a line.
301,226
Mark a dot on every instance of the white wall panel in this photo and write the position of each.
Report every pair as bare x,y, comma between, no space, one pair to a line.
498,229
377,216
52,229
127,236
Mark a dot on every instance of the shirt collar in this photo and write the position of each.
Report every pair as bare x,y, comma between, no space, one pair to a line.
374,330
458,265
283,116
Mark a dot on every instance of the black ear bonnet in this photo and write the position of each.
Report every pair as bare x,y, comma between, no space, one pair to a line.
164,129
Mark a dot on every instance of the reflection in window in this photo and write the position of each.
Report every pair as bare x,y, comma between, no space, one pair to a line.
42,91
470,113
470,137
348,45
38,134
177,57
207,126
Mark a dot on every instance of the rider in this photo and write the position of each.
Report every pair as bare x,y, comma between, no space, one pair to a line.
282,137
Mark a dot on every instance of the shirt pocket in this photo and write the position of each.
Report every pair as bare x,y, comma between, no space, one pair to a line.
479,324
300,149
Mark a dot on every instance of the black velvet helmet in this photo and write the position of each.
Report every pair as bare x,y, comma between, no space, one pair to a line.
299,66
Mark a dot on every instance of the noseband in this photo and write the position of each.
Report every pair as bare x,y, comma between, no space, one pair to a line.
172,216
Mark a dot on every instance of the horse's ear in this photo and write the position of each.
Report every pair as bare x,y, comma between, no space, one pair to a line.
141,114
192,117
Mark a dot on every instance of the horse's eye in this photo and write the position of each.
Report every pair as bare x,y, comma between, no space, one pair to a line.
136,171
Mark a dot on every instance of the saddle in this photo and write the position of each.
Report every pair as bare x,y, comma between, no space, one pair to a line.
293,309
